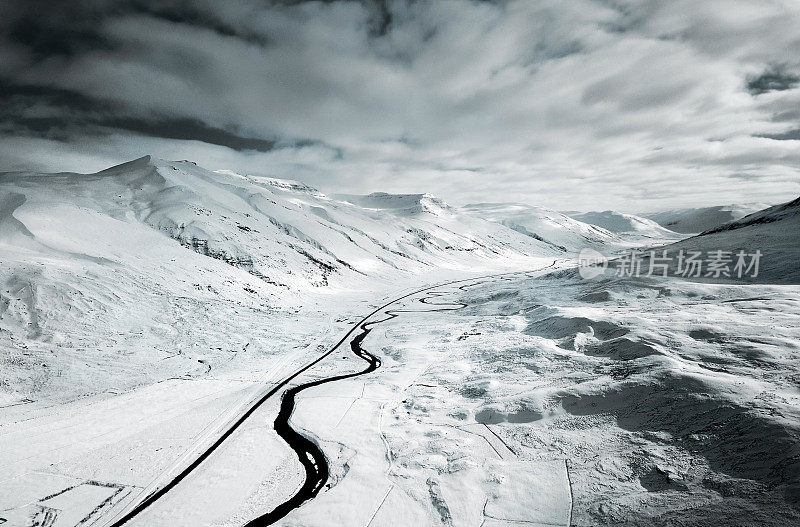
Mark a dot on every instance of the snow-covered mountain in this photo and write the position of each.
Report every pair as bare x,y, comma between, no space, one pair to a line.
604,231
692,221
620,223
773,232
554,228
158,300
282,232
153,259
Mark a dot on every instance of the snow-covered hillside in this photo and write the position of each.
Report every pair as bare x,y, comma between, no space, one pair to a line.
559,230
620,223
773,232
283,232
104,273
159,301
692,221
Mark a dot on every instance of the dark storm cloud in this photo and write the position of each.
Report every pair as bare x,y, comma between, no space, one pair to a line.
183,12
380,16
168,128
774,78
17,97
48,28
45,39
70,30
790,135
60,113
189,129
550,101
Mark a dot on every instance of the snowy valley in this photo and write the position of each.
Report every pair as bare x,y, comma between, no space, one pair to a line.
155,315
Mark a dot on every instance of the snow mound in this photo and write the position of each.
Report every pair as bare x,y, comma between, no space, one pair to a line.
284,232
778,213
288,185
701,408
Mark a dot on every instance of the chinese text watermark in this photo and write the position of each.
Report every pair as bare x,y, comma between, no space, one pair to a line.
684,263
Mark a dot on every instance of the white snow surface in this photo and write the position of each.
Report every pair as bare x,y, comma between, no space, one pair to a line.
146,259
618,222
145,307
557,229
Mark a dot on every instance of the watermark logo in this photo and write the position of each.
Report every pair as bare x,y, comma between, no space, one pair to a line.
591,263
686,264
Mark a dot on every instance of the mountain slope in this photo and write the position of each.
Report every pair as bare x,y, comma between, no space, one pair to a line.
554,228
774,232
283,232
690,221
607,231
105,275
620,223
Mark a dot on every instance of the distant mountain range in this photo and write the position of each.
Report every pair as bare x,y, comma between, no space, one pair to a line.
773,233
92,250
618,222
693,221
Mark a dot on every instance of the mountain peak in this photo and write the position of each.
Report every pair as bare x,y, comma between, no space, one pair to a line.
138,163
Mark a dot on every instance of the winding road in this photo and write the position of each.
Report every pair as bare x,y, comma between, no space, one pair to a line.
309,453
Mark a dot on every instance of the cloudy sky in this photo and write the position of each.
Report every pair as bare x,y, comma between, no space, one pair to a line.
628,104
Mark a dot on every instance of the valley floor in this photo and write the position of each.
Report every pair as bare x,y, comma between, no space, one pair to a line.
538,399
557,401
